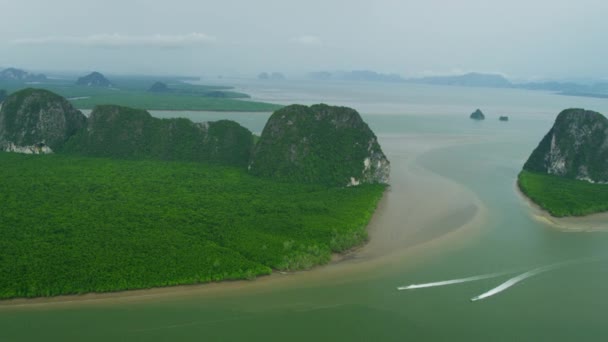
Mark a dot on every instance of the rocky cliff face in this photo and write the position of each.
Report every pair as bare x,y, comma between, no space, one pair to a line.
94,79
115,131
319,144
37,121
575,147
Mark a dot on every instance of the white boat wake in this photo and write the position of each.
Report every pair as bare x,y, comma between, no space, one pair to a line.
504,286
507,284
453,281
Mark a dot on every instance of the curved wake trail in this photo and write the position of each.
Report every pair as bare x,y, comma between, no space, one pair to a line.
507,284
453,281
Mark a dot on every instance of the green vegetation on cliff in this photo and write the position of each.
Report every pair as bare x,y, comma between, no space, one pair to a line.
122,132
563,196
575,147
37,116
566,173
75,224
319,144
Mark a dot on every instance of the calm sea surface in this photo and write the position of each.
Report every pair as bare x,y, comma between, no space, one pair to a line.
452,215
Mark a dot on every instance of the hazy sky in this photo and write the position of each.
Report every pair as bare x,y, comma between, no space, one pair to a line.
519,38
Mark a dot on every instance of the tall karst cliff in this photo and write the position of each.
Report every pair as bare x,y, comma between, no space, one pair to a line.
37,121
575,147
319,144
116,131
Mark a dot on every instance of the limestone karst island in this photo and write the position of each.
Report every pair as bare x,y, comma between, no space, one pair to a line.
567,174
477,115
179,202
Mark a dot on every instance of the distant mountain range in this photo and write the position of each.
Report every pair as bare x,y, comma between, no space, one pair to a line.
598,90
472,79
13,74
274,76
467,80
355,75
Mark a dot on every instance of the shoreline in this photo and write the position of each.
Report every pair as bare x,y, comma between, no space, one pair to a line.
596,222
389,245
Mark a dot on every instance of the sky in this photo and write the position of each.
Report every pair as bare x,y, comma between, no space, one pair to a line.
531,39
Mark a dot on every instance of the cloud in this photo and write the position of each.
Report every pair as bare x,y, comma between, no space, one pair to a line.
307,40
117,40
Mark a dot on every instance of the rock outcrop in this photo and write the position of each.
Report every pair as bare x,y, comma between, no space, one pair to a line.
159,87
477,115
94,79
3,95
319,144
12,74
37,121
122,132
503,118
575,147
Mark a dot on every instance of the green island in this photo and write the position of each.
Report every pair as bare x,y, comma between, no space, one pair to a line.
567,174
80,224
122,200
563,196
135,92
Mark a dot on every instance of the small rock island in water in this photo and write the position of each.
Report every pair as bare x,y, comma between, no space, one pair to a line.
477,115
567,174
